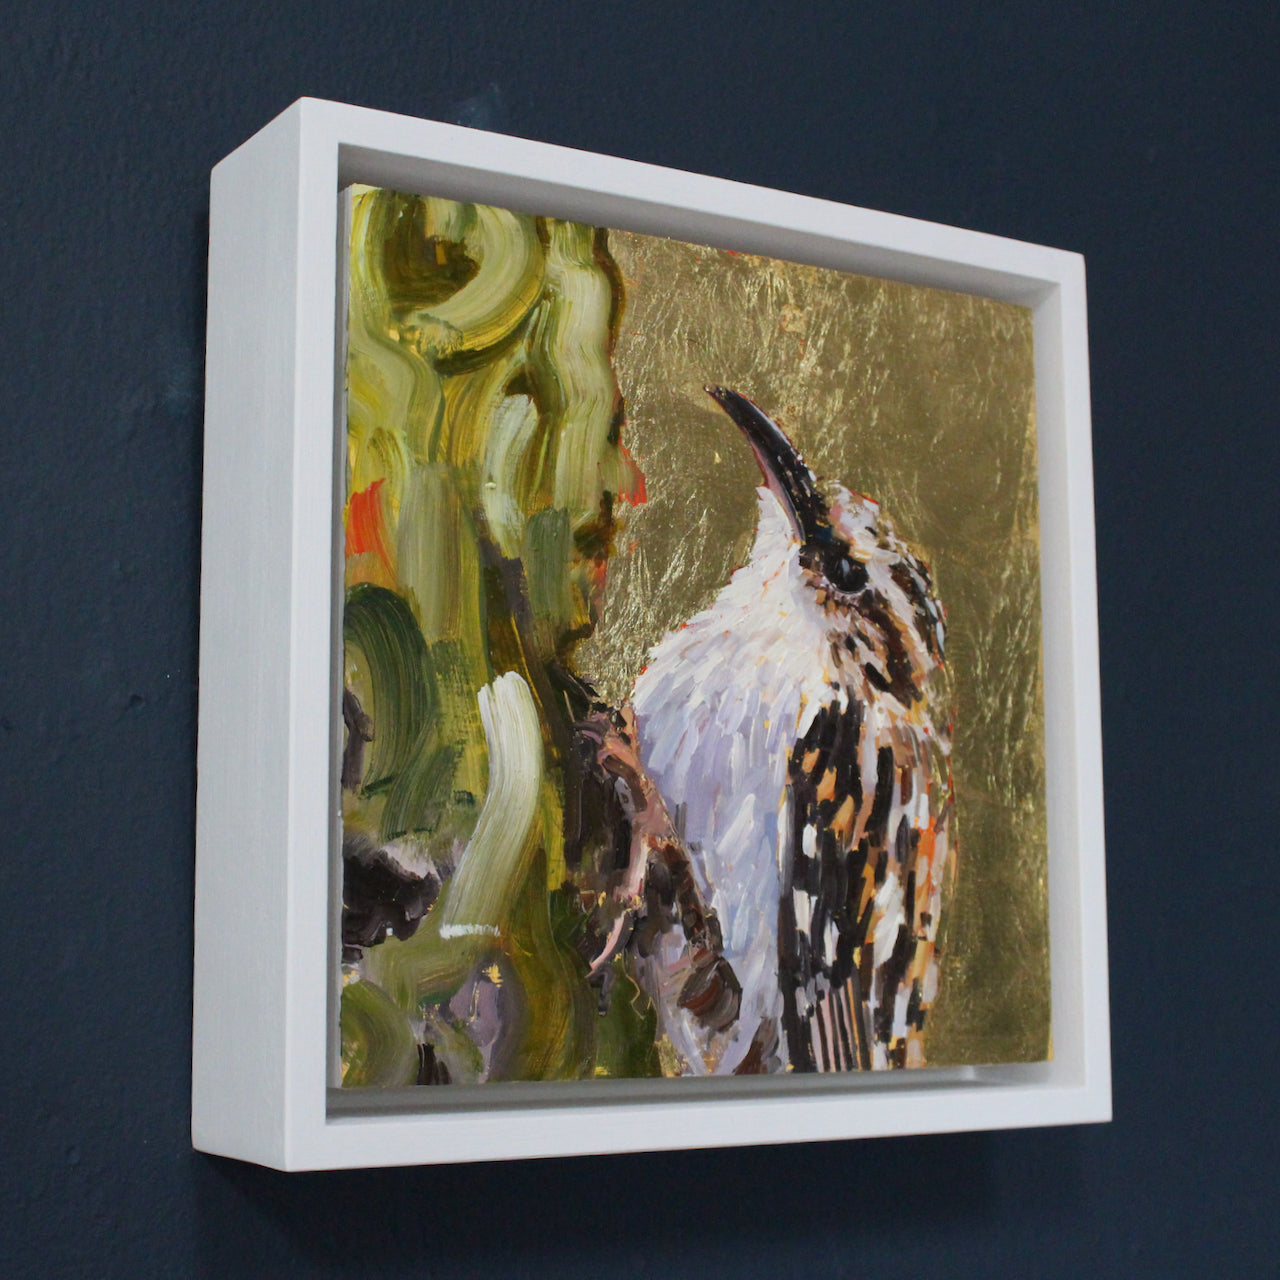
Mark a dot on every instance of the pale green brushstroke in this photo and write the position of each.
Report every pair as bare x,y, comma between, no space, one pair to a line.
497,859
514,428
447,219
483,312
568,336
473,398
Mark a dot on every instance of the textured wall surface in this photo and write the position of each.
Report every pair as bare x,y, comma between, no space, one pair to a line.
1144,137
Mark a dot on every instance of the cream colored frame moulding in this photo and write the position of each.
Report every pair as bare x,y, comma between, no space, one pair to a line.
265,901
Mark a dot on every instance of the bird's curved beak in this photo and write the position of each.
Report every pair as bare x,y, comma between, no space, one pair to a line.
784,470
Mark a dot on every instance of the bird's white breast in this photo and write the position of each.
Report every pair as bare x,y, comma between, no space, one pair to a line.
718,709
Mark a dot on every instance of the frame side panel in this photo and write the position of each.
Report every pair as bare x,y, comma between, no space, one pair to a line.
1072,716
238,1068
1091,834
315,726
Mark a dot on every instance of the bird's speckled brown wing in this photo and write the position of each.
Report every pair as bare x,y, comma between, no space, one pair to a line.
865,840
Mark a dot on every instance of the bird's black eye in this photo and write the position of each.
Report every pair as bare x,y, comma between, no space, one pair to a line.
846,574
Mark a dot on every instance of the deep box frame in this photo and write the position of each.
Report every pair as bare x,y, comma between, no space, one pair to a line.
267,906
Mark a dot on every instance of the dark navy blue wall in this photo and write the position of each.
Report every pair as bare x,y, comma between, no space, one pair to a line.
1143,135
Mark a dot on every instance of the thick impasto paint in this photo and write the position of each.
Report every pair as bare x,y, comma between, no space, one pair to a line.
691,692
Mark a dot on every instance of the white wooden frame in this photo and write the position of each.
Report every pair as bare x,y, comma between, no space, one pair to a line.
268,631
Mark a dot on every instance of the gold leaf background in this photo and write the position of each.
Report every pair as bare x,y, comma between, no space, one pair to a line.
924,400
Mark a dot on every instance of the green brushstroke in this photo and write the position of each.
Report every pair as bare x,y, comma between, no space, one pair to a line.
417,799
378,1046
420,712
548,555
626,1036
426,969
380,624
559,1008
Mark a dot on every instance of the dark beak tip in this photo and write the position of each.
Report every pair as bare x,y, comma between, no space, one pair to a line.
780,462
734,403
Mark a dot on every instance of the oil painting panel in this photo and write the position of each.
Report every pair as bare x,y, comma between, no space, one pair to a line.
692,700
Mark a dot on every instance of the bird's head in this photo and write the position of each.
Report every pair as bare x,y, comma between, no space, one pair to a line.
868,581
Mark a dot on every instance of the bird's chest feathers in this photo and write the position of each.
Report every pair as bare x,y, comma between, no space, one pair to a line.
724,701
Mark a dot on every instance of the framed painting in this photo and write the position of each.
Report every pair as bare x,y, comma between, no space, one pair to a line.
659,707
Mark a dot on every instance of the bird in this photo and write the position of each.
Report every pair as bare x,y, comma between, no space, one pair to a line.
799,733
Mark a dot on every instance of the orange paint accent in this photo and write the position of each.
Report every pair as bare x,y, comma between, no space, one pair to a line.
842,823
928,839
926,850
920,960
868,888
367,527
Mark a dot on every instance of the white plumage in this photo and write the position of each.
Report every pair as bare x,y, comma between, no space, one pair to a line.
718,708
